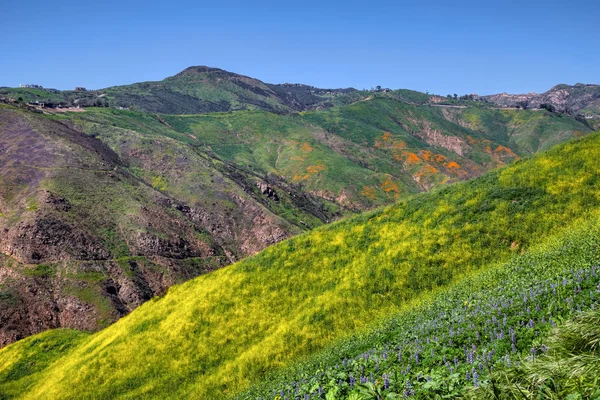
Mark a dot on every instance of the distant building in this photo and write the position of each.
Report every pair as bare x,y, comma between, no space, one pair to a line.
31,86
80,89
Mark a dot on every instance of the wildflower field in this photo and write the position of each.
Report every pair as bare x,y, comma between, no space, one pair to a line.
431,272
448,348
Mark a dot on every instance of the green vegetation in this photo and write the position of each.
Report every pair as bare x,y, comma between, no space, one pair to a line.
446,348
299,296
21,365
41,270
568,370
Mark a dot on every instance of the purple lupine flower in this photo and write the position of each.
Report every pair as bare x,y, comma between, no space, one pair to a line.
352,381
386,381
475,379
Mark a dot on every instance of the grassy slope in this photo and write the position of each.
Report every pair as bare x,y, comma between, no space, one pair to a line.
222,331
502,315
187,169
370,153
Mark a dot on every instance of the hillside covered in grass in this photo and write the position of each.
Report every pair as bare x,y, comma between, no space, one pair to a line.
221,332
489,336
197,89
181,195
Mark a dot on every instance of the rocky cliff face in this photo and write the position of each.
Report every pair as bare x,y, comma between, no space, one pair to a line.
577,99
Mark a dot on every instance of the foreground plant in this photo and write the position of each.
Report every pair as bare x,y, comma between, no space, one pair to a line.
568,370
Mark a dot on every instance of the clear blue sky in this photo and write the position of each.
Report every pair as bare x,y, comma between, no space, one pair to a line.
441,46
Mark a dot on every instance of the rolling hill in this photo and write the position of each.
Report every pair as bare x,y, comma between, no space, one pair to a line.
197,90
219,333
89,236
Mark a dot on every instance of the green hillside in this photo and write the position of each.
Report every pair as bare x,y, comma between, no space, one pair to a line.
196,90
221,332
500,321
185,194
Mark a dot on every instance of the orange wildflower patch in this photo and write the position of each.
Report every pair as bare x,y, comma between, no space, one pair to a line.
428,169
389,186
306,147
440,158
297,178
313,169
505,151
412,158
386,136
368,192
453,165
427,155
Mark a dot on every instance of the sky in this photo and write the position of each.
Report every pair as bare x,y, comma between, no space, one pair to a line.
443,47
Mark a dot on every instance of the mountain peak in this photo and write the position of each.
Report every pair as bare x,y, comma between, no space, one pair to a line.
202,69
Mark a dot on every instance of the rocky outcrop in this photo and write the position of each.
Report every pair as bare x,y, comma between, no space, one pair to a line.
576,99
81,295
434,137
267,190
47,239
